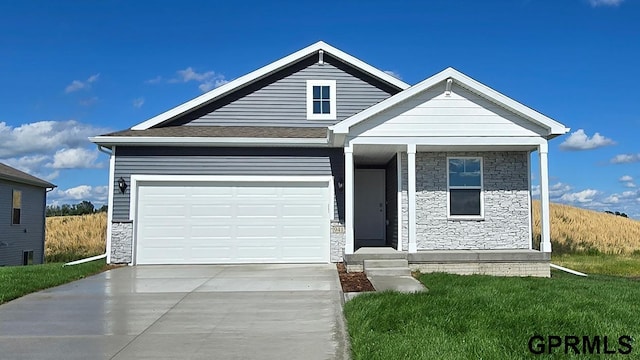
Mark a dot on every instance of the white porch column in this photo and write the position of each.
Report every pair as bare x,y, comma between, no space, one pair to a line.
399,197
545,241
411,164
348,200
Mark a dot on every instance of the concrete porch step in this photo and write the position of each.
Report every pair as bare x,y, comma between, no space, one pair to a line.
385,263
388,271
386,267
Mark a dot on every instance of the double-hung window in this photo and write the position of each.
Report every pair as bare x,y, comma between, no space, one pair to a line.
465,197
321,99
17,207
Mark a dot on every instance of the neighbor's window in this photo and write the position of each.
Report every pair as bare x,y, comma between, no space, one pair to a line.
27,257
465,187
321,99
17,207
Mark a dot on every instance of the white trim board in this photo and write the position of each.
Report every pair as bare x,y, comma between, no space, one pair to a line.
137,180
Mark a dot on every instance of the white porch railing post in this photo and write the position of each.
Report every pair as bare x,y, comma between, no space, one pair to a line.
348,200
411,179
545,241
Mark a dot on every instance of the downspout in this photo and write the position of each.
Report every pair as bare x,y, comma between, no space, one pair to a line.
558,267
102,256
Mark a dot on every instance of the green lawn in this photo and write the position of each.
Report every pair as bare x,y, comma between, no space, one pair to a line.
485,317
17,281
618,265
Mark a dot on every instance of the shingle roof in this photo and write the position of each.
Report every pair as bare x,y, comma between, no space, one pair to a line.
11,174
227,131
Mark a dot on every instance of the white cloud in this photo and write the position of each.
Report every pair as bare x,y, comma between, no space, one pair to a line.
578,140
612,199
138,102
558,189
97,195
79,85
625,158
596,3
395,74
78,158
189,74
583,196
44,136
211,84
33,165
89,101
207,80
155,80
627,181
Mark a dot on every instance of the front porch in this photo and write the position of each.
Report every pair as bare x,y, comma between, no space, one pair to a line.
515,262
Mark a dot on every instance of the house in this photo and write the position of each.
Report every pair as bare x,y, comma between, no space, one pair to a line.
22,219
317,155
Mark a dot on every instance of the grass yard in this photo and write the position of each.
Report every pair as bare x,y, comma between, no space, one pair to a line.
605,264
485,317
17,281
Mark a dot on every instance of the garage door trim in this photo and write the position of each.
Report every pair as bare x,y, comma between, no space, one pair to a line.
140,180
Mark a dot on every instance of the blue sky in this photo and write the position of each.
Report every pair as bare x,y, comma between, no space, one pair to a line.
74,69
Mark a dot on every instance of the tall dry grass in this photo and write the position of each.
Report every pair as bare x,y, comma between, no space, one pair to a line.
71,238
575,230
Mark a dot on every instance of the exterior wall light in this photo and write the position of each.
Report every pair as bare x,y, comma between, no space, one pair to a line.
122,185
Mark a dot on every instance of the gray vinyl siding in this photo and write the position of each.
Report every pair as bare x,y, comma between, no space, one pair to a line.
29,235
391,190
280,99
224,161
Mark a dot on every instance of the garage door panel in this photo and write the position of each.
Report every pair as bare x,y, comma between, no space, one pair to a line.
232,223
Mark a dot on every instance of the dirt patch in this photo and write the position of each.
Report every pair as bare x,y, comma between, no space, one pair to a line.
353,281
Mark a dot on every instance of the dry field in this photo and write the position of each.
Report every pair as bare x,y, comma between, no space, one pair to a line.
75,237
586,231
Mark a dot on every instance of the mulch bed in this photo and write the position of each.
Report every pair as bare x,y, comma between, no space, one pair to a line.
353,281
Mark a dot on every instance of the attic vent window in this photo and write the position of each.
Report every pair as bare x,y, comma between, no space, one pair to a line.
321,99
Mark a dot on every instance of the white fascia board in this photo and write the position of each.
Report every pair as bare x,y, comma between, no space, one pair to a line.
555,128
205,141
263,72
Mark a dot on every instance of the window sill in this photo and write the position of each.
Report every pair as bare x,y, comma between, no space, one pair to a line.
465,218
321,117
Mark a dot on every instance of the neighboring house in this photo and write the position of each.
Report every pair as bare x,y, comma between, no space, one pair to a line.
318,154
22,219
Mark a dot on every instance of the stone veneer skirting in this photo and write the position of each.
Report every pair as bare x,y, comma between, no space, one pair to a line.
121,241
337,240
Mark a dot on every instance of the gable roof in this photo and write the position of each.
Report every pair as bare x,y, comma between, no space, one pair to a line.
267,70
15,175
554,128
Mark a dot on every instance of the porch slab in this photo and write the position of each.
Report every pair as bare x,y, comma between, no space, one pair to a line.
478,256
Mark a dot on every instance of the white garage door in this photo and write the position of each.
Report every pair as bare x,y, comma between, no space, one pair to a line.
211,223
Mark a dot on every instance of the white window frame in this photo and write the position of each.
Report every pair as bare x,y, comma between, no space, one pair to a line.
481,187
332,100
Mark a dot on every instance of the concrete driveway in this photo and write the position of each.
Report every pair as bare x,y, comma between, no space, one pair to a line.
182,312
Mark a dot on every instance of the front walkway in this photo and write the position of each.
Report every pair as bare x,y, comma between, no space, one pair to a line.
182,312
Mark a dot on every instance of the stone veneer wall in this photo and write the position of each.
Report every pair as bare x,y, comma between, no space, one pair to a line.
506,203
337,238
121,241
